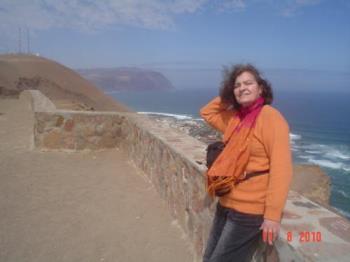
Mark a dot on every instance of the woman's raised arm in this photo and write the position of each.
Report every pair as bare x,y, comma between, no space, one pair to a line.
217,114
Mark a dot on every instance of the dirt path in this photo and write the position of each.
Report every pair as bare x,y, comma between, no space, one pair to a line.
86,206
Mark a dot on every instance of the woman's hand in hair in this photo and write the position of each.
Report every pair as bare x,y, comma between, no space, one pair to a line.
270,230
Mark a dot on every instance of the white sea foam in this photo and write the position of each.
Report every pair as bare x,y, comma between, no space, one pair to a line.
294,136
313,152
326,163
177,116
316,147
346,168
343,193
305,157
331,156
334,153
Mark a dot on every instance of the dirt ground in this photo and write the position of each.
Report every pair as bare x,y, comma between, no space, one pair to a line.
83,206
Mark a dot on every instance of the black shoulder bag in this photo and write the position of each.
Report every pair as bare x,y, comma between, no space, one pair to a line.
213,151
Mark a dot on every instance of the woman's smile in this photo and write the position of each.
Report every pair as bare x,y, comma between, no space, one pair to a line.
246,89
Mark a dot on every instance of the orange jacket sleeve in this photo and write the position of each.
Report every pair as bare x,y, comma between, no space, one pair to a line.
276,141
217,114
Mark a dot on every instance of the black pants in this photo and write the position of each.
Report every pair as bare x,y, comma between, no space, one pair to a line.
234,236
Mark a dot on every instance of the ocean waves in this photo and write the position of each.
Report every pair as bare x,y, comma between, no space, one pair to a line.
176,116
331,156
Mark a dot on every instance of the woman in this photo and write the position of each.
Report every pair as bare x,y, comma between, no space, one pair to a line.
253,172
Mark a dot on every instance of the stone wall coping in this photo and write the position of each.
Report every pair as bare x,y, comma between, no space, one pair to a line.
38,101
188,147
315,231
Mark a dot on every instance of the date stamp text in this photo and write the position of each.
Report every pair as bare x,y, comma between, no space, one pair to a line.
304,236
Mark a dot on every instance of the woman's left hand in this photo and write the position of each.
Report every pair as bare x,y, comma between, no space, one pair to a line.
270,230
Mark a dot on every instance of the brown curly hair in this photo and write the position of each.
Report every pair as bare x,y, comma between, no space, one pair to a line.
230,75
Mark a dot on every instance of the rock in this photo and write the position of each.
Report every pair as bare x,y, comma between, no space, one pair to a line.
312,182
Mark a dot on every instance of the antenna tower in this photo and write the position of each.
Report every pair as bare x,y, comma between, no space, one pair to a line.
28,41
19,40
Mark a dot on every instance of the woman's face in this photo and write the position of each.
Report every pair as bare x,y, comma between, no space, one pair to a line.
246,89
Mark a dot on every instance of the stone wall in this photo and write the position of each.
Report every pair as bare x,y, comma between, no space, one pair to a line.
67,130
8,93
174,162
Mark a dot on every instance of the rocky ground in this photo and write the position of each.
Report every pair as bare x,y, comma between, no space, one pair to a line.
195,128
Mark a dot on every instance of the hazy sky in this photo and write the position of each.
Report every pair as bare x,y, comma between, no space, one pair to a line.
183,34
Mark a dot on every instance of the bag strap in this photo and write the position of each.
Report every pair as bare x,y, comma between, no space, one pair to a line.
253,174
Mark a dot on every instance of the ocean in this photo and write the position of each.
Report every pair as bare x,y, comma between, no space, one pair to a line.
319,124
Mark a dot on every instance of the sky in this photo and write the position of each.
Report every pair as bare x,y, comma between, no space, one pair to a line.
188,40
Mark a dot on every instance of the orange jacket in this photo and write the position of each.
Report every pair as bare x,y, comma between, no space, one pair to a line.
269,149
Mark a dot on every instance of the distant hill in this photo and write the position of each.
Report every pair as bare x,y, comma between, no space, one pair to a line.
66,88
120,79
